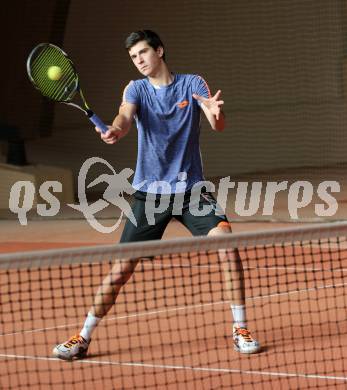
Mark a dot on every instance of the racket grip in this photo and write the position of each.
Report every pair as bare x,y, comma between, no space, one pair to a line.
97,121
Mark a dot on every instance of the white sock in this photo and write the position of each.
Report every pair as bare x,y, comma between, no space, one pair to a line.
90,324
239,315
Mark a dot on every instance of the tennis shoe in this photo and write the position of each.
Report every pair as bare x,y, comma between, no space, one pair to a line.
74,348
243,341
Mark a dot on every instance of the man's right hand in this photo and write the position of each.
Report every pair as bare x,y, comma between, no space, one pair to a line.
111,136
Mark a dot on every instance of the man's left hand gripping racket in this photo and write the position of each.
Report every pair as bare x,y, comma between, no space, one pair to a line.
54,75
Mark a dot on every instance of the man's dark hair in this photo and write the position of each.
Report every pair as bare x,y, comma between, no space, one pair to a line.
149,36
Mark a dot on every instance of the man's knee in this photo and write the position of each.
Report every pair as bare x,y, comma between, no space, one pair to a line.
122,272
222,228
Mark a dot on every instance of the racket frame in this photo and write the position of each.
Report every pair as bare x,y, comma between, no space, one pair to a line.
77,89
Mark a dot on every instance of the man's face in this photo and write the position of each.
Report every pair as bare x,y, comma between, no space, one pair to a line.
145,58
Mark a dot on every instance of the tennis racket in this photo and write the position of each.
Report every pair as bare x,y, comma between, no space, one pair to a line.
52,72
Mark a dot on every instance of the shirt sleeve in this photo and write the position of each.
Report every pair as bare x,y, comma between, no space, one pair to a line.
200,87
130,94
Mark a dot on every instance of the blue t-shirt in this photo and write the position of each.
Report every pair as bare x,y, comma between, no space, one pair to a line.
168,123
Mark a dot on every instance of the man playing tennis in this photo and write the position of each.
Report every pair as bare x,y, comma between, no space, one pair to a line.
167,108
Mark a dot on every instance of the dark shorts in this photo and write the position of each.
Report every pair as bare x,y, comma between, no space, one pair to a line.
186,208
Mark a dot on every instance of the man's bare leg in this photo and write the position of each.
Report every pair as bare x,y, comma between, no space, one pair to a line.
76,347
234,279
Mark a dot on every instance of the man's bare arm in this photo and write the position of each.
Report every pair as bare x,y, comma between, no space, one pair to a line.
121,123
212,110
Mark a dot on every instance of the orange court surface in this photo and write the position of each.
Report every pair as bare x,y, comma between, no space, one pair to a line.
188,354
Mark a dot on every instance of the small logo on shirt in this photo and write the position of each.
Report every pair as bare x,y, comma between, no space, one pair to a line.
183,104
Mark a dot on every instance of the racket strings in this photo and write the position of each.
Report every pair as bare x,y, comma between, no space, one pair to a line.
39,63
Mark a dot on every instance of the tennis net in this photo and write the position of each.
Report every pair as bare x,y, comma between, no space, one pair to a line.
171,326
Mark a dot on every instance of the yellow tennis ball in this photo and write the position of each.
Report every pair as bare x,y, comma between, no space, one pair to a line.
54,73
